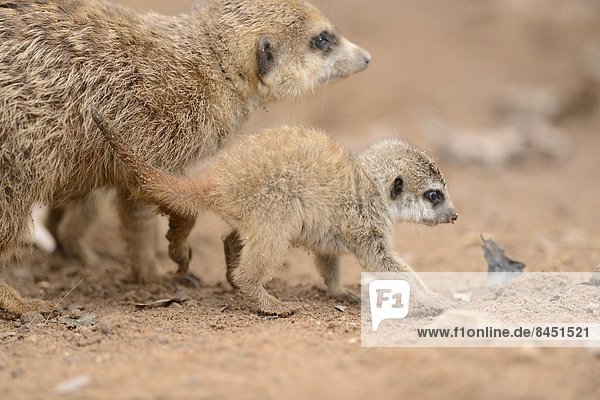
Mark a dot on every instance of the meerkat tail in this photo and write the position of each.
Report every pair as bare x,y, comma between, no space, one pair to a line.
183,196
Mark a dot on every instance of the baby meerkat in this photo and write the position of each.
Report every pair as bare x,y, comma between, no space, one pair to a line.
291,186
179,86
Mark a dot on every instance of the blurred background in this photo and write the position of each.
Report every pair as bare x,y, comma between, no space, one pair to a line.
504,94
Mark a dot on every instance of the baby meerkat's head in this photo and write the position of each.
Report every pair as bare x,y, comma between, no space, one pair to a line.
411,182
289,46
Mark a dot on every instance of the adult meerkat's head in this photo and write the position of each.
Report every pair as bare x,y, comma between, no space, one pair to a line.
411,182
286,47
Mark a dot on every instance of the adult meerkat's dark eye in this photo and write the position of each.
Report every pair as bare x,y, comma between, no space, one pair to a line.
435,197
396,189
324,41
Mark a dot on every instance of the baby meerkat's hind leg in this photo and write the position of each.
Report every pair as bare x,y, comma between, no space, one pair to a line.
260,256
329,268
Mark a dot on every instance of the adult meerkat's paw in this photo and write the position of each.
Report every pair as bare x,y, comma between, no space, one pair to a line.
12,302
271,306
38,305
147,275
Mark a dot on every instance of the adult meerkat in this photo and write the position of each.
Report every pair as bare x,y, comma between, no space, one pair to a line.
292,186
177,85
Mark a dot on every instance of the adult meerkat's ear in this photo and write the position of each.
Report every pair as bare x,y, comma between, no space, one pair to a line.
396,189
265,56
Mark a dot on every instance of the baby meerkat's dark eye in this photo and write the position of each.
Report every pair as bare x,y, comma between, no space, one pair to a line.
435,197
324,41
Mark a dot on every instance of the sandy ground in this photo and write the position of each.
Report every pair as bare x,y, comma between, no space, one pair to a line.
533,302
447,57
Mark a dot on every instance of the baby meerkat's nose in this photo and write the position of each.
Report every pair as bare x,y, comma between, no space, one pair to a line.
454,217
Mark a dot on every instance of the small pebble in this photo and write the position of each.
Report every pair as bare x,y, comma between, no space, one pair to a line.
105,328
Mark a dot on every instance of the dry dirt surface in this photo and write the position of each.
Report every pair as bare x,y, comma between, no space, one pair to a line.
451,58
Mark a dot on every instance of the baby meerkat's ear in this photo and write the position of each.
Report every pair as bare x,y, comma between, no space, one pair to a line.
396,189
265,56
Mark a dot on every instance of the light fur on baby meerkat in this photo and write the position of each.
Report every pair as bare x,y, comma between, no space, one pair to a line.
178,87
292,186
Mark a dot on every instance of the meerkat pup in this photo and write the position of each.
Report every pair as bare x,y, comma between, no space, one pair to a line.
292,186
179,86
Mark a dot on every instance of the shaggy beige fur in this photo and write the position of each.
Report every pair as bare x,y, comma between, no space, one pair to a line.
291,186
178,87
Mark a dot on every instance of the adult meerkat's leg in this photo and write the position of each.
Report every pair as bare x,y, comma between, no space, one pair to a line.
139,231
73,231
52,222
232,246
260,255
16,201
13,303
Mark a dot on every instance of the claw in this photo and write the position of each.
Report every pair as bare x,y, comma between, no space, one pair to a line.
189,280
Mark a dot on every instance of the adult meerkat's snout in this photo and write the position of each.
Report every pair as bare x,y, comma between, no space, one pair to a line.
345,59
299,50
